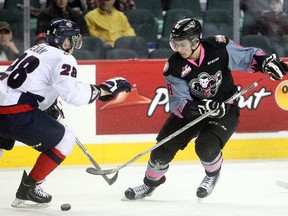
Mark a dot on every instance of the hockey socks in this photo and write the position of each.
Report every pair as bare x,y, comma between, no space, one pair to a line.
46,163
213,167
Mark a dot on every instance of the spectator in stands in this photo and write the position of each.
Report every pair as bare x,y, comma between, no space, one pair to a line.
274,24
107,23
78,6
75,5
123,5
60,9
8,50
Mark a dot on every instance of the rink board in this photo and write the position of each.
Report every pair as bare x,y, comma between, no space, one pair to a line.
116,131
123,152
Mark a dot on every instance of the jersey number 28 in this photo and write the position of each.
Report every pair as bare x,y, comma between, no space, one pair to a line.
18,75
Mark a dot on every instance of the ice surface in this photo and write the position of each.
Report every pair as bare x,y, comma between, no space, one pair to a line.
246,188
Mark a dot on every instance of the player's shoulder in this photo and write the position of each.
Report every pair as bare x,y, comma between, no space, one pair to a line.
67,59
175,59
174,64
56,51
175,56
216,41
55,55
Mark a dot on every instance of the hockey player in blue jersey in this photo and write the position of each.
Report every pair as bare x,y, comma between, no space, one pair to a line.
29,86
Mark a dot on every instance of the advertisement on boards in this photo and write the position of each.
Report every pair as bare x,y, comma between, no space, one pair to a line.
145,109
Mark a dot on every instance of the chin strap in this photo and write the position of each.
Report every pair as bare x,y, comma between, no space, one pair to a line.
66,50
194,49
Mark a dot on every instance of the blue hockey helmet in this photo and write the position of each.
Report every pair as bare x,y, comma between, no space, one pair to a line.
60,29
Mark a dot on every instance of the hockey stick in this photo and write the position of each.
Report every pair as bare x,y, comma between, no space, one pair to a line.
94,171
81,146
108,180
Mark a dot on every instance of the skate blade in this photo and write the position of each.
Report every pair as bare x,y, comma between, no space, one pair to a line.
125,199
200,200
27,204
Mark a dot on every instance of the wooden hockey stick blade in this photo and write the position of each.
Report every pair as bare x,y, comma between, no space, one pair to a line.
282,184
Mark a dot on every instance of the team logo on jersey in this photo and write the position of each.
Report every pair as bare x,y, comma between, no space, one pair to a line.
206,85
185,70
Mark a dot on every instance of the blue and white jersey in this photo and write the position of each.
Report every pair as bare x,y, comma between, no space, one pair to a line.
39,76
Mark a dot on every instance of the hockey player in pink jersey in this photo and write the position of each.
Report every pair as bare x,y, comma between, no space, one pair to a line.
199,79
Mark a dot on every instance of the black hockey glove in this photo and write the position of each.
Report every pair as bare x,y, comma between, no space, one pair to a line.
110,88
207,105
55,110
272,65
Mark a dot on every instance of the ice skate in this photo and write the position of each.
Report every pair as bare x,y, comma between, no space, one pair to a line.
30,194
139,192
142,190
207,185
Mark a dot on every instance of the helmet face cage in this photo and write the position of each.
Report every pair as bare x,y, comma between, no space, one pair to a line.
60,29
77,41
186,29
